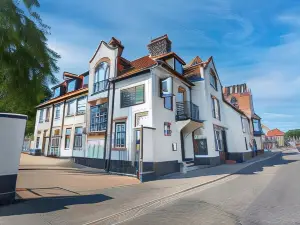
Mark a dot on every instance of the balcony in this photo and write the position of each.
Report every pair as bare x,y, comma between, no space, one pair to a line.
187,110
100,86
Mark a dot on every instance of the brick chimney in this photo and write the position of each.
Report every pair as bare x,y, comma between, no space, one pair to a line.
159,46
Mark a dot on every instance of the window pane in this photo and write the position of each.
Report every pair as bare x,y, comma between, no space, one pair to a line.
78,130
71,85
68,131
178,66
81,105
86,81
168,102
139,94
56,92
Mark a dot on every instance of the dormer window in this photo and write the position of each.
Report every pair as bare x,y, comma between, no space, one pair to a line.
101,77
56,92
85,81
213,79
71,85
178,66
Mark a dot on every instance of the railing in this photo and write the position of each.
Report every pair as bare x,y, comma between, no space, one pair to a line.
187,110
101,86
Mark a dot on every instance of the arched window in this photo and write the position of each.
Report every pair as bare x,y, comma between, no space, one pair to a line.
101,77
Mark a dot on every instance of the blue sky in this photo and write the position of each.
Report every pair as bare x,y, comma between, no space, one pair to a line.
257,42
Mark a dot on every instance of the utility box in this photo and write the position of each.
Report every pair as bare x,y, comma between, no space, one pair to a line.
12,131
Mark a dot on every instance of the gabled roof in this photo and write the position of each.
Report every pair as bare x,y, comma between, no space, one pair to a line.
169,55
275,132
194,61
63,97
137,65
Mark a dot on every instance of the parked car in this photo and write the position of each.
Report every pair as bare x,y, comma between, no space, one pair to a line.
35,151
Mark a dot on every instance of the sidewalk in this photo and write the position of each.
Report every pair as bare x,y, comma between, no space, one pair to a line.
92,205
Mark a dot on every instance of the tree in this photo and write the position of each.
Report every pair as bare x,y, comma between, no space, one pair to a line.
27,64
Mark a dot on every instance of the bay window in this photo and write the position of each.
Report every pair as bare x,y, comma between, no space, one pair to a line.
98,117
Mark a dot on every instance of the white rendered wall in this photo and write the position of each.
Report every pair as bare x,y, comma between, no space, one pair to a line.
12,132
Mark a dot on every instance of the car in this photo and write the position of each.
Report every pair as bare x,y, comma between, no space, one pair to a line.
35,151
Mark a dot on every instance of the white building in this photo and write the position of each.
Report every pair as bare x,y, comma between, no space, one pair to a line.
153,116
61,119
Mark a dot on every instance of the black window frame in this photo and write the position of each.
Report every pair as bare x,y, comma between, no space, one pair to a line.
123,92
76,135
120,132
169,97
99,118
246,143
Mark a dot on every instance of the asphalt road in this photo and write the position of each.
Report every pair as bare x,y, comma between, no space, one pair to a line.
264,193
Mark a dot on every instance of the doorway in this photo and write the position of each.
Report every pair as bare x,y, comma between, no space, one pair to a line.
44,142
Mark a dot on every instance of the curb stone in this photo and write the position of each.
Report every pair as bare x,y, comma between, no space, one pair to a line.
122,216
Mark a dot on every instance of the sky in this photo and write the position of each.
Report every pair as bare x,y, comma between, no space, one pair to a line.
253,42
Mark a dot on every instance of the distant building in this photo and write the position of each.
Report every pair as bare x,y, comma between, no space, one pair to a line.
241,97
276,135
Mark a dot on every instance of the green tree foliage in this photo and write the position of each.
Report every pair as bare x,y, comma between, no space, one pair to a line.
27,64
292,134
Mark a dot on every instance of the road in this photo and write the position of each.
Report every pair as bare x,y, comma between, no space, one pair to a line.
264,193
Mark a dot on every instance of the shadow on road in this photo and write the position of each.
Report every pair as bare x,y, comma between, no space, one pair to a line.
229,169
50,204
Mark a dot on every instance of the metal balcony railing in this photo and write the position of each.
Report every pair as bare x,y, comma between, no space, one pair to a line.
187,110
100,86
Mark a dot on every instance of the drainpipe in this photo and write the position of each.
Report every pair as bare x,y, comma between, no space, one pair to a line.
105,140
141,154
51,126
111,125
62,122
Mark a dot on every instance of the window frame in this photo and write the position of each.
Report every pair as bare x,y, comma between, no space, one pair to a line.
167,129
215,102
85,104
213,77
69,103
120,132
56,117
122,91
41,116
217,147
246,143
81,139
169,97
101,113
85,85
98,81
69,82
69,136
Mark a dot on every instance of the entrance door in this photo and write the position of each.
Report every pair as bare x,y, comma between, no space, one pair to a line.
137,149
44,142
224,151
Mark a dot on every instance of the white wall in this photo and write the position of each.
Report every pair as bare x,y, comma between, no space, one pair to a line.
12,132
235,135
103,51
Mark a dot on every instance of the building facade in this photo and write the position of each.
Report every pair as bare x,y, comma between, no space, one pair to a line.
148,117
240,97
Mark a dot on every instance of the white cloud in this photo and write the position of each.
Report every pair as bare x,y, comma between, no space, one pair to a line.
276,115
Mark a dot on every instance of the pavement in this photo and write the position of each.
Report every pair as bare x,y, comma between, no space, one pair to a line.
41,177
263,193
111,205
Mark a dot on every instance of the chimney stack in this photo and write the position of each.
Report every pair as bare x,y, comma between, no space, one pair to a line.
159,46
